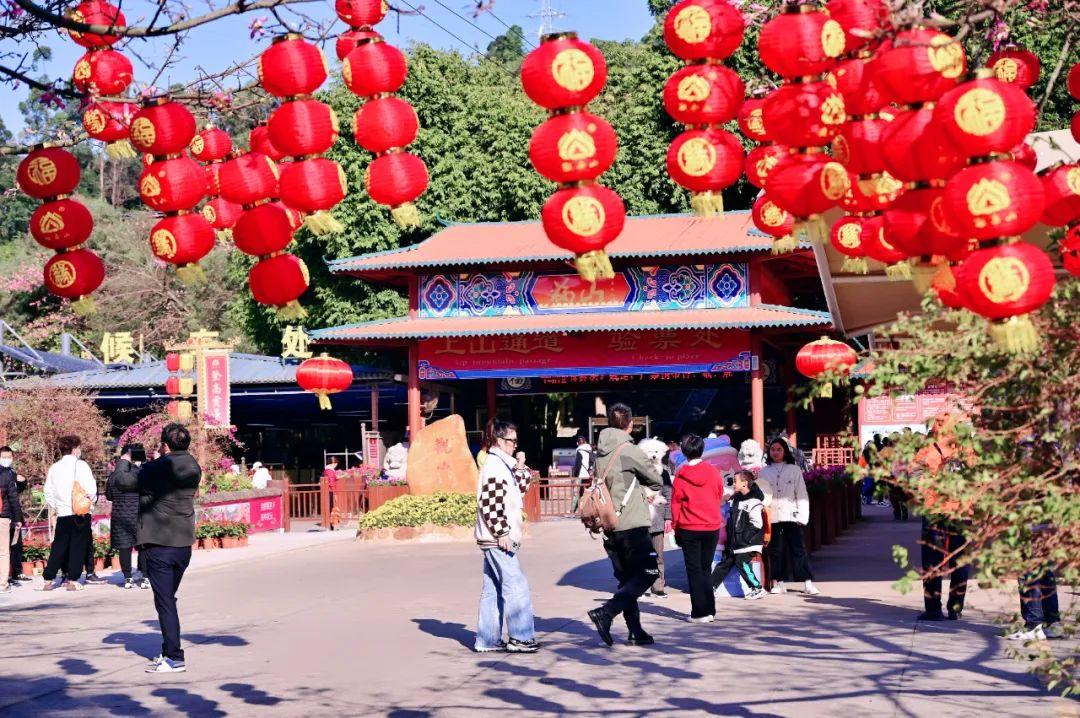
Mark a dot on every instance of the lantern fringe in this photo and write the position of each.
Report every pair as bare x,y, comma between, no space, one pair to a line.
84,306
594,265
922,276
406,215
120,150
324,400
826,391
899,272
785,244
855,265
322,222
225,235
707,204
811,230
190,275
1016,335
290,311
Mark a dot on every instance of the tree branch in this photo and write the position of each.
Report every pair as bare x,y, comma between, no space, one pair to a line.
38,84
1056,73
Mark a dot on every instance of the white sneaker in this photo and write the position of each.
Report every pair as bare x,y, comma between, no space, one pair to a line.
1033,634
755,594
156,660
167,665
778,587
703,619
1054,630
811,589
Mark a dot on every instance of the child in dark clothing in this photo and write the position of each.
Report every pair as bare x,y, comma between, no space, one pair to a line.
745,535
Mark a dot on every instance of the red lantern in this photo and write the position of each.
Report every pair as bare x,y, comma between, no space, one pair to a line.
265,229
1074,126
861,20
303,127
916,149
870,193
563,72
279,281
1016,66
1004,284
314,186
994,199
110,122
182,240
102,72
1070,250
703,95
943,283
800,42
761,160
61,224
858,146
97,12
877,246
918,224
573,147
770,219
350,39
846,238
396,180
222,215
822,356
172,185
361,13
985,115
259,141
292,66
1061,185
804,115
74,275
385,123
705,162
161,129
584,220
919,66
1073,81
703,29
248,178
211,145
751,121
324,375
374,68
1025,156
48,172
807,184
855,81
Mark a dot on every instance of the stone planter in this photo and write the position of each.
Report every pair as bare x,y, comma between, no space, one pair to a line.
379,495
421,534
27,568
39,565
209,544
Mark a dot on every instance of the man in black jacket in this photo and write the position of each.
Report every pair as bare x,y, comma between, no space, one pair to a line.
166,531
11,519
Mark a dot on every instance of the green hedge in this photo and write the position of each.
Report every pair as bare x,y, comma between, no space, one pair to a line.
441,509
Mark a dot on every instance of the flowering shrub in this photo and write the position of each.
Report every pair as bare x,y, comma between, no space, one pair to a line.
212,448
228,482
440,509
820,478
33,419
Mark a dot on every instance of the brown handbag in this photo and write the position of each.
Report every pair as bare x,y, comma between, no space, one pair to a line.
596,509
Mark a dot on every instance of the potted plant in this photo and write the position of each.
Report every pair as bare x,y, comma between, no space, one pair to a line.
101,552
381,489
228,534
209,534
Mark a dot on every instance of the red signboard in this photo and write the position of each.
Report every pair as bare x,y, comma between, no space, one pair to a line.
214,389
632,352
885,414
563,291
260,514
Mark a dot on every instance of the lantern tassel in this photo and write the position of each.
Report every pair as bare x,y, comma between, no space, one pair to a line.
707,204
1016,335
291,311
811,230
84,306
826,391
190,274
922,276
855,265
322,222
785,244
224,235
899,272
120,150
406,215
594,265
324,400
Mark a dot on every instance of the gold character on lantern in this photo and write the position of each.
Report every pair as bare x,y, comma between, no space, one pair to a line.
765,165
1006,69
1004,279
149,186
987,197
772,215
51,222
693,88
209,214
850,235
94,121
946,56
841,150
693,24
163,243
832,110
198,144
834,180
62,274
755,122
938,218
832,38
1072,180
143,132
82,70
41,170
584,216
697,157
979,112
572,69
576,146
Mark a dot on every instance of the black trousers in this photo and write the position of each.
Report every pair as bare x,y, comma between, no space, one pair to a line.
634,563
744,562
69,547
165,566
698,548
125,561
788,558
938,541
16,550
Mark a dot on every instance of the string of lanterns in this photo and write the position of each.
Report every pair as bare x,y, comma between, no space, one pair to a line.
212,147
103,72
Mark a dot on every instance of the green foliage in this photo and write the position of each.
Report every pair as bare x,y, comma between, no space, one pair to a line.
440,509
230,482
508,49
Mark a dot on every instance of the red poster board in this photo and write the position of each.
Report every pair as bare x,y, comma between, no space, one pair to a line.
214,389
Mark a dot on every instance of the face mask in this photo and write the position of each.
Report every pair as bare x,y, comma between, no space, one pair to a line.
6,463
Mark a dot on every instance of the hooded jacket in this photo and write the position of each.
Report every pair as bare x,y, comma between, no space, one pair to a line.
122,489
631,463
696,498
746,523
790,501
9,496
167,488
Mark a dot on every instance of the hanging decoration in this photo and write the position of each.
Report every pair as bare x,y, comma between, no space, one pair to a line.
61,224
822,356
1016,66
322,376
212,147
361,16
770,219
574,147
702,96
1070,250
846,237
1073,85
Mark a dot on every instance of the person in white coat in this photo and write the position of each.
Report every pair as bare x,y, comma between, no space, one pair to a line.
70,491
790,512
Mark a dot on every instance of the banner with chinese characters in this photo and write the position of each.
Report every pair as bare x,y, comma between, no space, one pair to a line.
887,414
708,286
541,355
214,388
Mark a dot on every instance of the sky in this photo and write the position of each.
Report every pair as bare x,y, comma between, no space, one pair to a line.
216,45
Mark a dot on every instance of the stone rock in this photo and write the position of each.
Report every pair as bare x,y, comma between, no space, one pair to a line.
440,460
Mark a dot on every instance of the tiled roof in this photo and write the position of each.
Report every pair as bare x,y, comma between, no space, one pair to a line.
500,243
403,328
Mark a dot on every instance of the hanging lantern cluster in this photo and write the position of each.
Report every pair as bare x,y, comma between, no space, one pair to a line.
703,95
324,375
61,224
574,147
802,45
384,125
173,183
303,129
103,72
1073,84
822,356
1061,187
212,147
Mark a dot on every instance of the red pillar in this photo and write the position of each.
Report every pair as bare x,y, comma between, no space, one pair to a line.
757,393
374,407
492,399
415,420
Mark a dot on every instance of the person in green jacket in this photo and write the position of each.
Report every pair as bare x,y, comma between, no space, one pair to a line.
629,546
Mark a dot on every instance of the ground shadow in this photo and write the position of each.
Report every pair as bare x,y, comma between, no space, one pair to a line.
190,704
29,695
250,694
148,645
458,632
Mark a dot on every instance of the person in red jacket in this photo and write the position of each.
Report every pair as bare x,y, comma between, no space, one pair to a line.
695,515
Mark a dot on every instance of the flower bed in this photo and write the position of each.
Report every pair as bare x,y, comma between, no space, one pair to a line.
440,515
211,535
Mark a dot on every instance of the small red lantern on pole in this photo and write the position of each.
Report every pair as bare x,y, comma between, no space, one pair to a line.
324,375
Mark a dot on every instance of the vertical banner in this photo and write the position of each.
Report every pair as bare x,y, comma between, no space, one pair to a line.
214,388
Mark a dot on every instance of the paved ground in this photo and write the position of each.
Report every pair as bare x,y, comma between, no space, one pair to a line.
335,627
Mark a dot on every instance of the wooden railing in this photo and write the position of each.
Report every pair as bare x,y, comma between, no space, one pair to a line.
554,498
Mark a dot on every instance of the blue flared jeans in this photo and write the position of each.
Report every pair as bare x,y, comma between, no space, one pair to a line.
505,597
